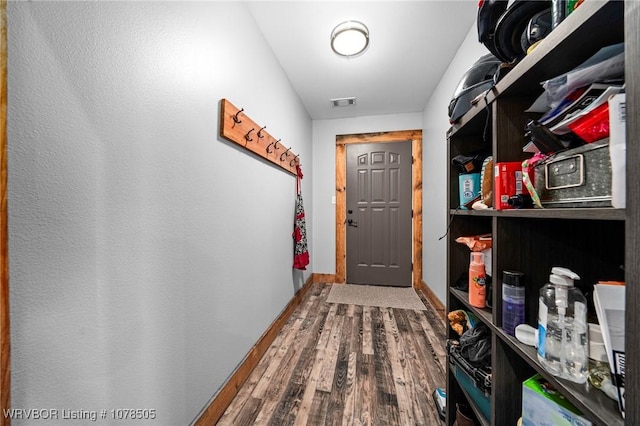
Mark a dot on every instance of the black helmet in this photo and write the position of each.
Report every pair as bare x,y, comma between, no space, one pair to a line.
538,28
476,80
489,11
513,22
502,23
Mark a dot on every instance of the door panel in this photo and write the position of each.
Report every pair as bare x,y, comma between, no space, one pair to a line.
379,214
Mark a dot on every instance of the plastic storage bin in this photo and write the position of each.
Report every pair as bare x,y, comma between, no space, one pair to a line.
475,381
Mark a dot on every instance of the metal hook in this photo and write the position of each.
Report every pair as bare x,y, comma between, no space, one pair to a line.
260,135
275,145
247,137
236,118
285,154
294,161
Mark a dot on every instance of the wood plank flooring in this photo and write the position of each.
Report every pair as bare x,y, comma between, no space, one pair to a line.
335,364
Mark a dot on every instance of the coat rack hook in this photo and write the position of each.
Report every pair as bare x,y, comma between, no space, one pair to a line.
275,145
248,135
260,135
236,119
285,154
294,161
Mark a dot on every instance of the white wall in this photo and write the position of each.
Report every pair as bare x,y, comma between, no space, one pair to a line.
323,252
147,254
436,164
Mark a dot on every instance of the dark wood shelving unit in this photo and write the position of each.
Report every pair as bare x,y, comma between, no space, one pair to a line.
597,243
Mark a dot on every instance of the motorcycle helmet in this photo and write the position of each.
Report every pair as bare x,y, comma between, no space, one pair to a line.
538,28
475,80
489,11
511,25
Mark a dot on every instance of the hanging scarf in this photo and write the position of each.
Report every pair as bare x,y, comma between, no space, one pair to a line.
300,251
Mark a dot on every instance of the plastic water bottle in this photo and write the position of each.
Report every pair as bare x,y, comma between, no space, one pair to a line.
562,327
512,301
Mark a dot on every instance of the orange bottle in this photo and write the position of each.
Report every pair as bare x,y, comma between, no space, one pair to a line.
477,279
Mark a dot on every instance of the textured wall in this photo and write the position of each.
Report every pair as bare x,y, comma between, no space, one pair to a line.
436,164
147,255
324,178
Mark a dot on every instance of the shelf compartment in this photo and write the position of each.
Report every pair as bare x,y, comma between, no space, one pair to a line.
595,404
471,402
454,393
594,249
463,146
483,314
592,402
590,27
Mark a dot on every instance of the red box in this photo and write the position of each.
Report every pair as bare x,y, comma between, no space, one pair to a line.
507,181
593,126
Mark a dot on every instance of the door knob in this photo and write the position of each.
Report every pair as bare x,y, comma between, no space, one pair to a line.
352,223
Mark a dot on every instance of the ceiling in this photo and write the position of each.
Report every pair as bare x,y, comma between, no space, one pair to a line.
411,46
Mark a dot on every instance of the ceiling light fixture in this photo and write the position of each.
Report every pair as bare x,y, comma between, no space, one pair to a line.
350,38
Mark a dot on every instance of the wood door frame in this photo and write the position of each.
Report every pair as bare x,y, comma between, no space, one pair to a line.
415,136
5,332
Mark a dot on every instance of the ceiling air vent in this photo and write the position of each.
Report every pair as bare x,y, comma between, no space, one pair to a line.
343,102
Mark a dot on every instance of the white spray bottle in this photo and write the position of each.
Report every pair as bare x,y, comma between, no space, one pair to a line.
563,348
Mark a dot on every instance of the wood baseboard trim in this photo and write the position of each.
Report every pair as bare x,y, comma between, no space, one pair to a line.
324,278
219,403
433,299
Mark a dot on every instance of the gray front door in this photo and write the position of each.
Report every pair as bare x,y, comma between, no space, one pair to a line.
379,214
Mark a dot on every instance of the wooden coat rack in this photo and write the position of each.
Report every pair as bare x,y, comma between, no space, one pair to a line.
237,127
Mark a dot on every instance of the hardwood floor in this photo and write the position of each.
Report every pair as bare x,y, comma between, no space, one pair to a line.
346,365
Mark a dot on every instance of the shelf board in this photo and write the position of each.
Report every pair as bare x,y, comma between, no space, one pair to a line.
484,314
459,212
472,122
596,213
595,405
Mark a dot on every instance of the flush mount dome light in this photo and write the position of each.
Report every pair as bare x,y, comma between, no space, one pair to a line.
350,38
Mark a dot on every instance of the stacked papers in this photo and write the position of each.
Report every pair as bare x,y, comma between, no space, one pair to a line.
595,96
609,300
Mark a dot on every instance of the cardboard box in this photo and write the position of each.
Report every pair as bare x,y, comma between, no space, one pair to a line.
507,182
542,405
618,149
469,184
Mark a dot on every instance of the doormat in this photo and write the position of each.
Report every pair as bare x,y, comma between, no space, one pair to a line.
373,295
